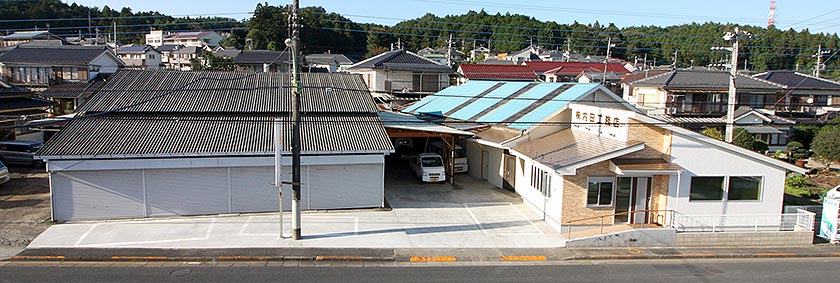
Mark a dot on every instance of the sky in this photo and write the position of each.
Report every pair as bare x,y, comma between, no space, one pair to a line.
817,16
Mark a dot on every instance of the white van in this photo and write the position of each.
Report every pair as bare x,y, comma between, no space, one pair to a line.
461,164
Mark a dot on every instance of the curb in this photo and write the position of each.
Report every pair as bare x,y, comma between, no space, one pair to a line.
202,259
700,256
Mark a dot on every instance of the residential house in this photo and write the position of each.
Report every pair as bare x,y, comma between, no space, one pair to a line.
483,53
212,150
700,92
42,66
331,63
179,57
540,67
495,72
226,52
17,107
569,71
579,154
188,38
442,55
398,74
140,56
263,61
609,79
634,76
69,96
530,53
804,95
21,37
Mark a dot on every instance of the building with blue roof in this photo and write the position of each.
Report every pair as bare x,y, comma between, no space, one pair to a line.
579,154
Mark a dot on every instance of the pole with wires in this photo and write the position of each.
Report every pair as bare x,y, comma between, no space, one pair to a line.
292,42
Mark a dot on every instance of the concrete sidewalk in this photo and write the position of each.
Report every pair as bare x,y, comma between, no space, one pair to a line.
417,255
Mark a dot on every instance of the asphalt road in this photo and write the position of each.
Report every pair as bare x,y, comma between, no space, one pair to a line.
759,270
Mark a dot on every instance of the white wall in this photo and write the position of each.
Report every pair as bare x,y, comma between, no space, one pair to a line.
551,207
495,167
107,63
705,160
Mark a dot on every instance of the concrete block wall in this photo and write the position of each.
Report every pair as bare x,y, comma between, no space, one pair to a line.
783,238
631,238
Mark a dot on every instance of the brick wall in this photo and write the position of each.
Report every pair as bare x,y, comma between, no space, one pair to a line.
657,140
574,195
659,195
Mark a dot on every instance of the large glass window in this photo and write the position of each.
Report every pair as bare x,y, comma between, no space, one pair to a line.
706,188
599,192
744,188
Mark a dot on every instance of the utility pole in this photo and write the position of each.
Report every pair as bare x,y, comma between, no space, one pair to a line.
819,55
735,37
293,42
675,59
607,60
449,52
115,35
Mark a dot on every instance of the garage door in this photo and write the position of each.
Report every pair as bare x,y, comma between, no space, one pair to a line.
345,186
97,194
252,189
187,191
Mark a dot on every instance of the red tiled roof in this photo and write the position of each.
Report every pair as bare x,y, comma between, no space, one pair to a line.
487,71
574,68
541,67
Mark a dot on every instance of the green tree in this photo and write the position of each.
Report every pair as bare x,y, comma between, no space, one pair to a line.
742,138
712,132
826,146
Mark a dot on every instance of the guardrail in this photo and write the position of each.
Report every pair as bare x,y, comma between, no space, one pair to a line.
801,221
651,216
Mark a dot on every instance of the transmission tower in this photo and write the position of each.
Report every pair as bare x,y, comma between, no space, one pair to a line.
771,19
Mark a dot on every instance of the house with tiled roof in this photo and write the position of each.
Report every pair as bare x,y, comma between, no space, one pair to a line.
580,155
17,106
568,71
263,61
398,76
42,66
203,144
21,37
700,92
199,38
804,95
329,62
468,72
140,56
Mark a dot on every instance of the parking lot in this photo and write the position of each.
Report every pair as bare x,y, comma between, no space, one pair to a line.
24,209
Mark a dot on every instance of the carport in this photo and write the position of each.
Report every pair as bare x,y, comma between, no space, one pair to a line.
399,125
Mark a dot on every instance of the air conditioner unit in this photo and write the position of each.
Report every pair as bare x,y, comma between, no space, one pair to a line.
671,110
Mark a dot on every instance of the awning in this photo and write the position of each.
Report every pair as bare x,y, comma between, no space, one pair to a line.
761,129
655,166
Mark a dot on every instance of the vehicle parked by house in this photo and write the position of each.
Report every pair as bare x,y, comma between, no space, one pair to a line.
20,153
4,173
428,167
461,164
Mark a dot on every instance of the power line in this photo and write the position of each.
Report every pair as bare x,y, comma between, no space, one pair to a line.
121,17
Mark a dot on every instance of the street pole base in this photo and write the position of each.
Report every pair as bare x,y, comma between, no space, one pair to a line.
296,234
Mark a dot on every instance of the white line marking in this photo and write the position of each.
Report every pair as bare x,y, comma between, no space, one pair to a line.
526,218
210,227
475,219
355,225
85,234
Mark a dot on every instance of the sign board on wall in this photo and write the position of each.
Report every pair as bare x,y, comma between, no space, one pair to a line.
605,122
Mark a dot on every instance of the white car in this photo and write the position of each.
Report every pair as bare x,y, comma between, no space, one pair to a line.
4,173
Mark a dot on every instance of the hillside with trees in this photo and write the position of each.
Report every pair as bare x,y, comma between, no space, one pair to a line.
322,31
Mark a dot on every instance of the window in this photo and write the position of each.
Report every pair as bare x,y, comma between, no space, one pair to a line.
820,100
599,191
744,188
706,188
541,180
426,82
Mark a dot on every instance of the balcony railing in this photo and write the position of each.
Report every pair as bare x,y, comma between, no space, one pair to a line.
802,220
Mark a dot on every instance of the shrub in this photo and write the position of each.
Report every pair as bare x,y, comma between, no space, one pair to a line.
742,138
712,132
796,181
804,134
794,145
761,146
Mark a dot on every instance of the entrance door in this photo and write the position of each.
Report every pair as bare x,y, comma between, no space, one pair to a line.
510,172
485,165
623,199
642,191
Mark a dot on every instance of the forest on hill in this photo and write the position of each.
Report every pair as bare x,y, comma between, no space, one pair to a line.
322,31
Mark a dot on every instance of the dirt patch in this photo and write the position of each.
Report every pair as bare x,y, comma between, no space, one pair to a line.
25,206
826,180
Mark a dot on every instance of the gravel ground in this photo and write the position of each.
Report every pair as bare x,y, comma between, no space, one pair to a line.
24,208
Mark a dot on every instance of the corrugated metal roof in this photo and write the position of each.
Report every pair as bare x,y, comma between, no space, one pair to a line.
262,57
687,120
54,55
497,72
144,135
72,90
411,122
472,102
169,91
13,103
569,147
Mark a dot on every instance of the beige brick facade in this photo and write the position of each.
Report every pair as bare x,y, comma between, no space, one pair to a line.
657,140
574,195
659,197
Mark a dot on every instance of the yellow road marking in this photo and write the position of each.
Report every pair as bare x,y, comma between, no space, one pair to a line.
128,257
38,257
339,257
433,259
524,258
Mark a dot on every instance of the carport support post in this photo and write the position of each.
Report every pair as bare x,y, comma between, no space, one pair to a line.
293,42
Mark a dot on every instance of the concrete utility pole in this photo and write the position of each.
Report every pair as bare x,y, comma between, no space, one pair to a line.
607,60
819,55
293,42
449,52
735,37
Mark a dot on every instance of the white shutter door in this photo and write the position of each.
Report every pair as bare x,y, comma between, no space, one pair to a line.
345,186
252,190
81,195
187,191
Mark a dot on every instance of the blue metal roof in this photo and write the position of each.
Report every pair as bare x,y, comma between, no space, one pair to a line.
521,104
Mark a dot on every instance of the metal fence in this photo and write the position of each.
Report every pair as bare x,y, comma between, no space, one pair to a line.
802,220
